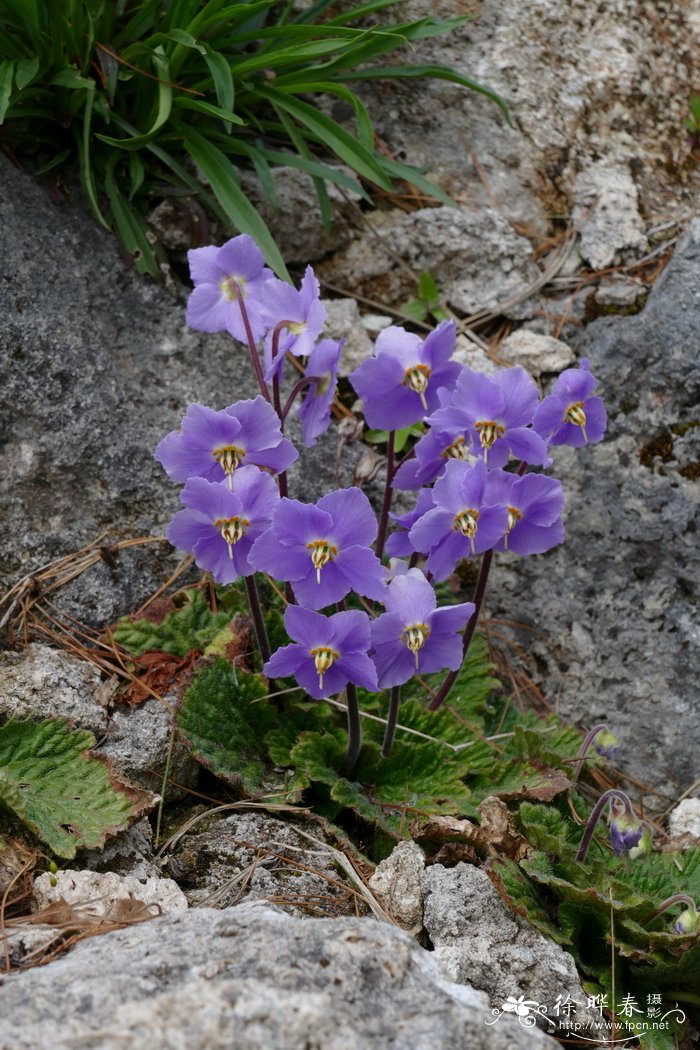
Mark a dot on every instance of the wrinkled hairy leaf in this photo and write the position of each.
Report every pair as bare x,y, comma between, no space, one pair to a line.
518,891
67,797
224,718
194,626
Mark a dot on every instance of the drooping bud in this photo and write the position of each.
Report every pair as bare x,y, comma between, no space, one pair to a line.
645,845
606,744
625,830
688,921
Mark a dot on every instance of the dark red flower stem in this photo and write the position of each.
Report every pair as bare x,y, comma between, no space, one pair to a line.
392,719
584,749
354,730
595,816
304,381
257,367
276,333
386,505
677,898
469,630
257,617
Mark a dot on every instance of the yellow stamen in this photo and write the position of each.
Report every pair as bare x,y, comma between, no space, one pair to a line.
417,378
321,553
228,287
576,414
489,432
323,659
231,529
466,522
228,457
457,450
514,516
415,637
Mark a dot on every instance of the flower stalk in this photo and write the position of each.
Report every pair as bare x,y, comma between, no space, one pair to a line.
623,814
388,491
254,356
257,617
392,719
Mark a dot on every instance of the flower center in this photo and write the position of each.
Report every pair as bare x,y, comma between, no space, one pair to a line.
576,414
466,522
228,457
514,516
231,529
416,378
489,432
323,659
323,384
457,450
322,551
296,327
415,637
229,285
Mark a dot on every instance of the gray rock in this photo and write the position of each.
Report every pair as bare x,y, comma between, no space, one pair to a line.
469,353
685,818
49,683
478,940
223,859
616,604
344,322
95,893
620,291
397,880
304,241
476,257
128,853
606,214
98,367
536,353
252,978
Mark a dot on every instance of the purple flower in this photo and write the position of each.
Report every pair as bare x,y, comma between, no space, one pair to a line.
328,652
431,454
607,744
213,444
220,526
398,544
462,522
569,415
498,411
304,312
217,273
414,635
323,549
534,504
400,384
315,410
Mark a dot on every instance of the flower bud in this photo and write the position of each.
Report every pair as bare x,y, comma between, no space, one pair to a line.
688,921
645,845
625,832
606,744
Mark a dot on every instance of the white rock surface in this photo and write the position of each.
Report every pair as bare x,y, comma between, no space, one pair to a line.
96,892
251,978
344,322
620,291
478,940
606,214
397,880
469,353
535,352
685,818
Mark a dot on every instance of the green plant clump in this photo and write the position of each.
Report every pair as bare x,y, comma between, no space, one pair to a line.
171,100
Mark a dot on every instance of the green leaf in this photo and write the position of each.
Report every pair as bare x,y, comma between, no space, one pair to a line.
7,72
67,797
72,79
427,288
130,226
429,71
163,107
415,308
518,891
194,626
27,69
208,109
224,719
217,169
222,79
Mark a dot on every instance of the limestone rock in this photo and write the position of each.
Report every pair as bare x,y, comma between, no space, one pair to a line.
50,683
397,880
253,978
344,322
478,940
476,257
606,214
536,353
94,893
685,818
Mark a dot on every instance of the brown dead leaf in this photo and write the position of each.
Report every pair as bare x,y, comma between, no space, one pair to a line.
238,650
455,853
157,671
496,836
499,830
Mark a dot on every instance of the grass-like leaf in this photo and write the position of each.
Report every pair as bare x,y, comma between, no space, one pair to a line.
67,797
